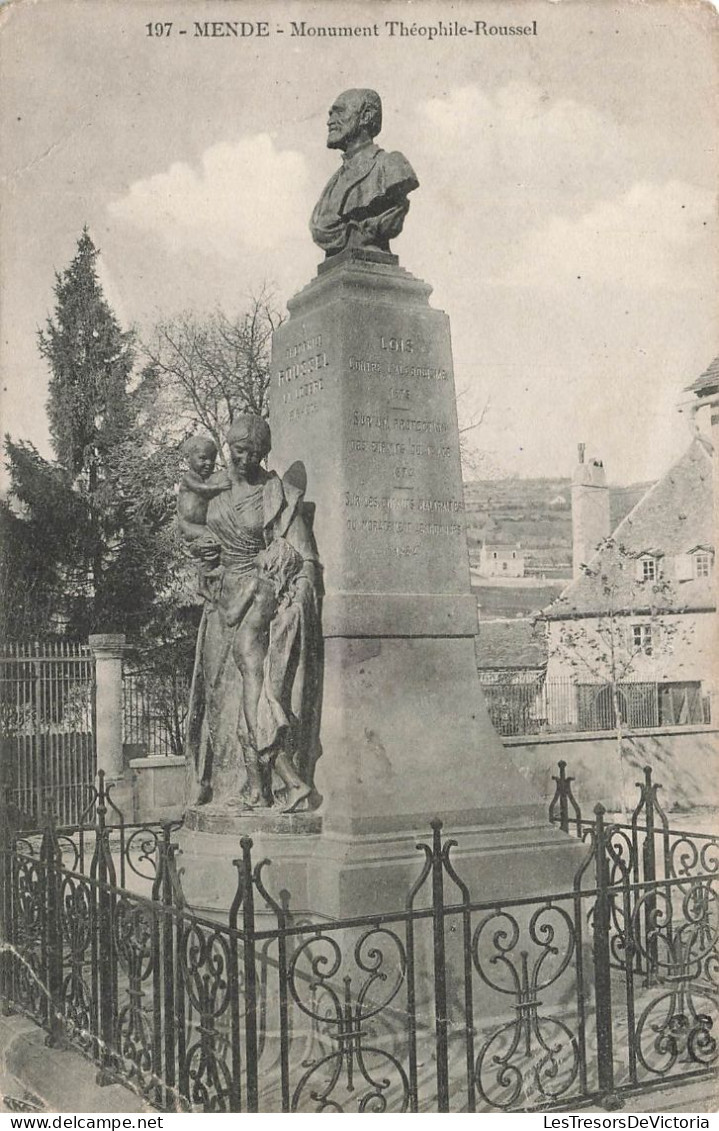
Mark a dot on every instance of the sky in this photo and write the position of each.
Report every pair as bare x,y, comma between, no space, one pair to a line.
566,214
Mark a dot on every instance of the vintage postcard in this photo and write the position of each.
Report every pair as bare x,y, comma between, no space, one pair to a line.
359,711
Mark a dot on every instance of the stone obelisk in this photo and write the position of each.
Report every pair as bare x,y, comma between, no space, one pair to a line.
362,391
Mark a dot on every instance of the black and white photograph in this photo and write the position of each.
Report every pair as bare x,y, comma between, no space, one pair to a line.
359,696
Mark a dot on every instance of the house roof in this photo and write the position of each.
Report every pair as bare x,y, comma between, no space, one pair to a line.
518,643
673,518
708,382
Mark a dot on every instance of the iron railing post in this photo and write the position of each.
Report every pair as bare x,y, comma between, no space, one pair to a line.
103,870
440,975
248,944
163,996
564,798
649,863
602,972
50,857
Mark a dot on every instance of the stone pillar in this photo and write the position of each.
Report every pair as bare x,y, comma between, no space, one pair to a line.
363,394
108,648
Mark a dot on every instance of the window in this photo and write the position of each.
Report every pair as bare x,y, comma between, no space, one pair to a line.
648,567
504,565
702,564
494,553
641,638
681,704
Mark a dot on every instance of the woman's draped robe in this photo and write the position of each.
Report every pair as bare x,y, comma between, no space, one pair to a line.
289,704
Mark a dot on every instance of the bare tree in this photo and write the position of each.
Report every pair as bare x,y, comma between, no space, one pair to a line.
470,421
200,373
600,645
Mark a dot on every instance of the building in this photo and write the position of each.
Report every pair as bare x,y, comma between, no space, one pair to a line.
636,628
501,560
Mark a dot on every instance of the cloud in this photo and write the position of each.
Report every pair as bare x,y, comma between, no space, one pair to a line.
537,191
652,236
518,140
231,203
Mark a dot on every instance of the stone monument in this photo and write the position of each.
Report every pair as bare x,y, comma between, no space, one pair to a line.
363,391
363,414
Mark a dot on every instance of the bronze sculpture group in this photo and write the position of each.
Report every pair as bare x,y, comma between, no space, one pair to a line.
256,680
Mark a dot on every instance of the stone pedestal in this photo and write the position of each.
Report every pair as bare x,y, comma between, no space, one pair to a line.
363,396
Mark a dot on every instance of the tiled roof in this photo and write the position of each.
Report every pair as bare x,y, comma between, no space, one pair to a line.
510,644
673,518
708,382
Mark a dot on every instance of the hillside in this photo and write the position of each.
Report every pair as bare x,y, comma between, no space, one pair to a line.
536,513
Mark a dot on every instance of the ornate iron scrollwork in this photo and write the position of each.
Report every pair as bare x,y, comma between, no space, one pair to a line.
134,924
678,1025
533,1058
29,906
373,1077
76,912
204,958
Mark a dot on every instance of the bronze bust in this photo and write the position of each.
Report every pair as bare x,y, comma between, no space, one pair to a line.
364,204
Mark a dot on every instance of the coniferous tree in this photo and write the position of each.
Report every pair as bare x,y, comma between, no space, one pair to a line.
90,412
91,360
64,518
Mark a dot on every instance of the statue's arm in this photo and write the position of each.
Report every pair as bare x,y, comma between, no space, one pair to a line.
300,538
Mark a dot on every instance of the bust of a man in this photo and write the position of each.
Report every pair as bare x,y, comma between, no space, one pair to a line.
364,204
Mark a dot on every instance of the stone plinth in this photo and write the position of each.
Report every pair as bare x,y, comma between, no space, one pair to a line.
363,394
210,841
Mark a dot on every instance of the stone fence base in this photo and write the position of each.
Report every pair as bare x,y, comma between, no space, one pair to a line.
158,788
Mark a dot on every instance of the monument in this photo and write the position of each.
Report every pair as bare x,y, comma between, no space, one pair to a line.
362,393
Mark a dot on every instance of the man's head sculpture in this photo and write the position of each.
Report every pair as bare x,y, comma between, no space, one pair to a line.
354,114
364,204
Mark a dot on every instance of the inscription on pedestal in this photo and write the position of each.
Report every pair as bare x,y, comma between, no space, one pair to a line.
365,388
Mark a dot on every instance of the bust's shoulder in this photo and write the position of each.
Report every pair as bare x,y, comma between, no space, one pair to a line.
396,167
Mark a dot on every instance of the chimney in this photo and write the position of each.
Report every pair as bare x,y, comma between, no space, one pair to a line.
590,510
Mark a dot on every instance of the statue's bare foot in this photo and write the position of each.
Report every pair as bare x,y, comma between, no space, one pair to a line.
293,797
254,799
205,794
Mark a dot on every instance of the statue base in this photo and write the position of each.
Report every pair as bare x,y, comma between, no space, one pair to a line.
329,875
210,841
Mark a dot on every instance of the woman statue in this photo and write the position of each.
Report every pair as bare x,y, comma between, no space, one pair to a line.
256,686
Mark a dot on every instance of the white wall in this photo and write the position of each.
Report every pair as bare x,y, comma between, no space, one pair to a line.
683,650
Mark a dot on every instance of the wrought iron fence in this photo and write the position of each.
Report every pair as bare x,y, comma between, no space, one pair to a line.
154,709
134,845
47,730
522,703
448,1003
